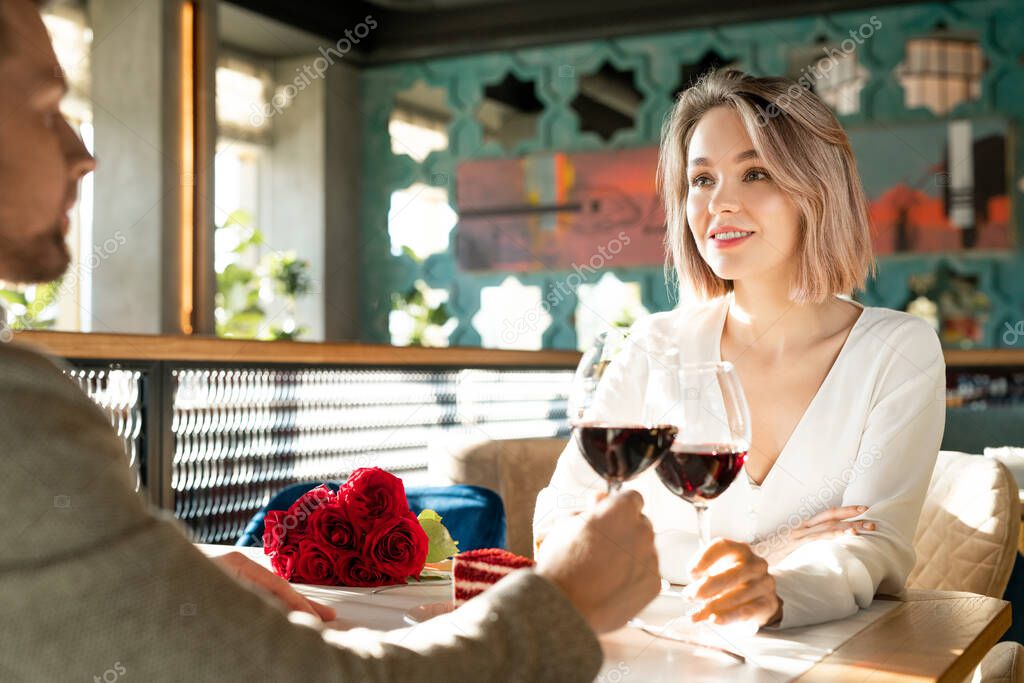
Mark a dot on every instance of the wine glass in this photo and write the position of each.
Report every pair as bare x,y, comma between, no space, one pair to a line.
616,438
712,439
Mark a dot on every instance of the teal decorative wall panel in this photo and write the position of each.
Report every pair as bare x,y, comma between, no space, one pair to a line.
760,48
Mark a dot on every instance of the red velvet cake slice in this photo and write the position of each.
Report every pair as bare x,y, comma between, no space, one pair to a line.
474,571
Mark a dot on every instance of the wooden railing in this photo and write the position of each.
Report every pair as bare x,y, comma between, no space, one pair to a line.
115,347
96,346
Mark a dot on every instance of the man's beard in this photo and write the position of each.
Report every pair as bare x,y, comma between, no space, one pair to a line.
42,259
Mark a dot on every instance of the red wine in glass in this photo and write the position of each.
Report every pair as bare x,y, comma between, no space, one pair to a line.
619,453
700,472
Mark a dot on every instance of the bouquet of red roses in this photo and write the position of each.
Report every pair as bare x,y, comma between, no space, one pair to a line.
363,535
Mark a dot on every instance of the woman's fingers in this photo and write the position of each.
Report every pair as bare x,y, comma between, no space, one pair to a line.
731,600
803,533
724,581
720,549
760,610
836,514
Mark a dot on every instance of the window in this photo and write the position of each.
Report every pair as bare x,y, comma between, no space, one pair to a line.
419,121
941,71
831,71
512,316
258,285
608,305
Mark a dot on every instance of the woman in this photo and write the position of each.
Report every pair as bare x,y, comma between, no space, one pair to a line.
768,228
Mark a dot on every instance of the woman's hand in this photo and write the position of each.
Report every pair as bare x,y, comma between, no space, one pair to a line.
254,575
827,524
731,583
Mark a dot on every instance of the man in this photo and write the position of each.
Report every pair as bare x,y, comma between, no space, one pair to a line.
95,586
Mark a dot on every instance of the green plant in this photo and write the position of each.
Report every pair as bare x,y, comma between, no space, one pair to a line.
32,307
244,293
424,311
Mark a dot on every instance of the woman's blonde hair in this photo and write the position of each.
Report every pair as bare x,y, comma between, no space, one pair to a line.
807,153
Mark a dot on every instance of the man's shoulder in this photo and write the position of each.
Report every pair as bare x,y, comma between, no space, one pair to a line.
21,363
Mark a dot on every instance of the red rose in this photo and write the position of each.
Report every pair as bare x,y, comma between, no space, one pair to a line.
275,533
315,564
372,493
283,561
355,570
331,525
310,500
398,546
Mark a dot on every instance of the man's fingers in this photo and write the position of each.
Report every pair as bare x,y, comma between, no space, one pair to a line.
629,502
323,611
836,514
629,499
259,577
298,602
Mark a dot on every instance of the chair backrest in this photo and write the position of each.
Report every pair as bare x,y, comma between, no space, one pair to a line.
1004,663
517,469
966,538
474,516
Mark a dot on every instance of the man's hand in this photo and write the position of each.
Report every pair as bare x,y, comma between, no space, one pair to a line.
604,561
739,589
254,575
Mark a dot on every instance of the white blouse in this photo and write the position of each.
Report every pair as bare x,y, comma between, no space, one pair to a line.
870,436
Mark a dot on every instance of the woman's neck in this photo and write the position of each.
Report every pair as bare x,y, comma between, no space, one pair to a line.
763,319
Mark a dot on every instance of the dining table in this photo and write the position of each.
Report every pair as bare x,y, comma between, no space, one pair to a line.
917,635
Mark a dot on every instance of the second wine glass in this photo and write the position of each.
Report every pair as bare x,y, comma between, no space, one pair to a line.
713,438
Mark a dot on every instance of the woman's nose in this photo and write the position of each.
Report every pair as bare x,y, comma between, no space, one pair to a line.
723,199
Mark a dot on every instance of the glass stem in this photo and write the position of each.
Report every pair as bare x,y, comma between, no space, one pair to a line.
703,525
613,486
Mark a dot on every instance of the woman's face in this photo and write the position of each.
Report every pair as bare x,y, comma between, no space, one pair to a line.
744,225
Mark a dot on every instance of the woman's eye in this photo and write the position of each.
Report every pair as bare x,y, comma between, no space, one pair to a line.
699,181
757,174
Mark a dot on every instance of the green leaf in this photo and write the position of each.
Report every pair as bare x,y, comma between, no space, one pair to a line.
12,297
442,545
411,254
438,316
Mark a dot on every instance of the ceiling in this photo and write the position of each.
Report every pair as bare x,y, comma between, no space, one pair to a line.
419,29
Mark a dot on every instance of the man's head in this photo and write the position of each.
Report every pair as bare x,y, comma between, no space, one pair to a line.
41,157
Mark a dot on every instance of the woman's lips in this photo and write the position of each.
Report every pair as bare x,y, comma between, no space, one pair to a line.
720,243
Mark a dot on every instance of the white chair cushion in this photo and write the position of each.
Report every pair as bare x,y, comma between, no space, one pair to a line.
966,539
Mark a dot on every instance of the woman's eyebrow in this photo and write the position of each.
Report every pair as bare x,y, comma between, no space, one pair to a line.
742,156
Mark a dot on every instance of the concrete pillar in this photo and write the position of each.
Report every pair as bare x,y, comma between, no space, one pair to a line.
344,197
314,192
127,70
296,204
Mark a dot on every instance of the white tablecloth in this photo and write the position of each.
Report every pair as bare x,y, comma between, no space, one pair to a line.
630,653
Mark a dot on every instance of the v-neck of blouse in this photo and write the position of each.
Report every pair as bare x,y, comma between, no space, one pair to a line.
724,315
